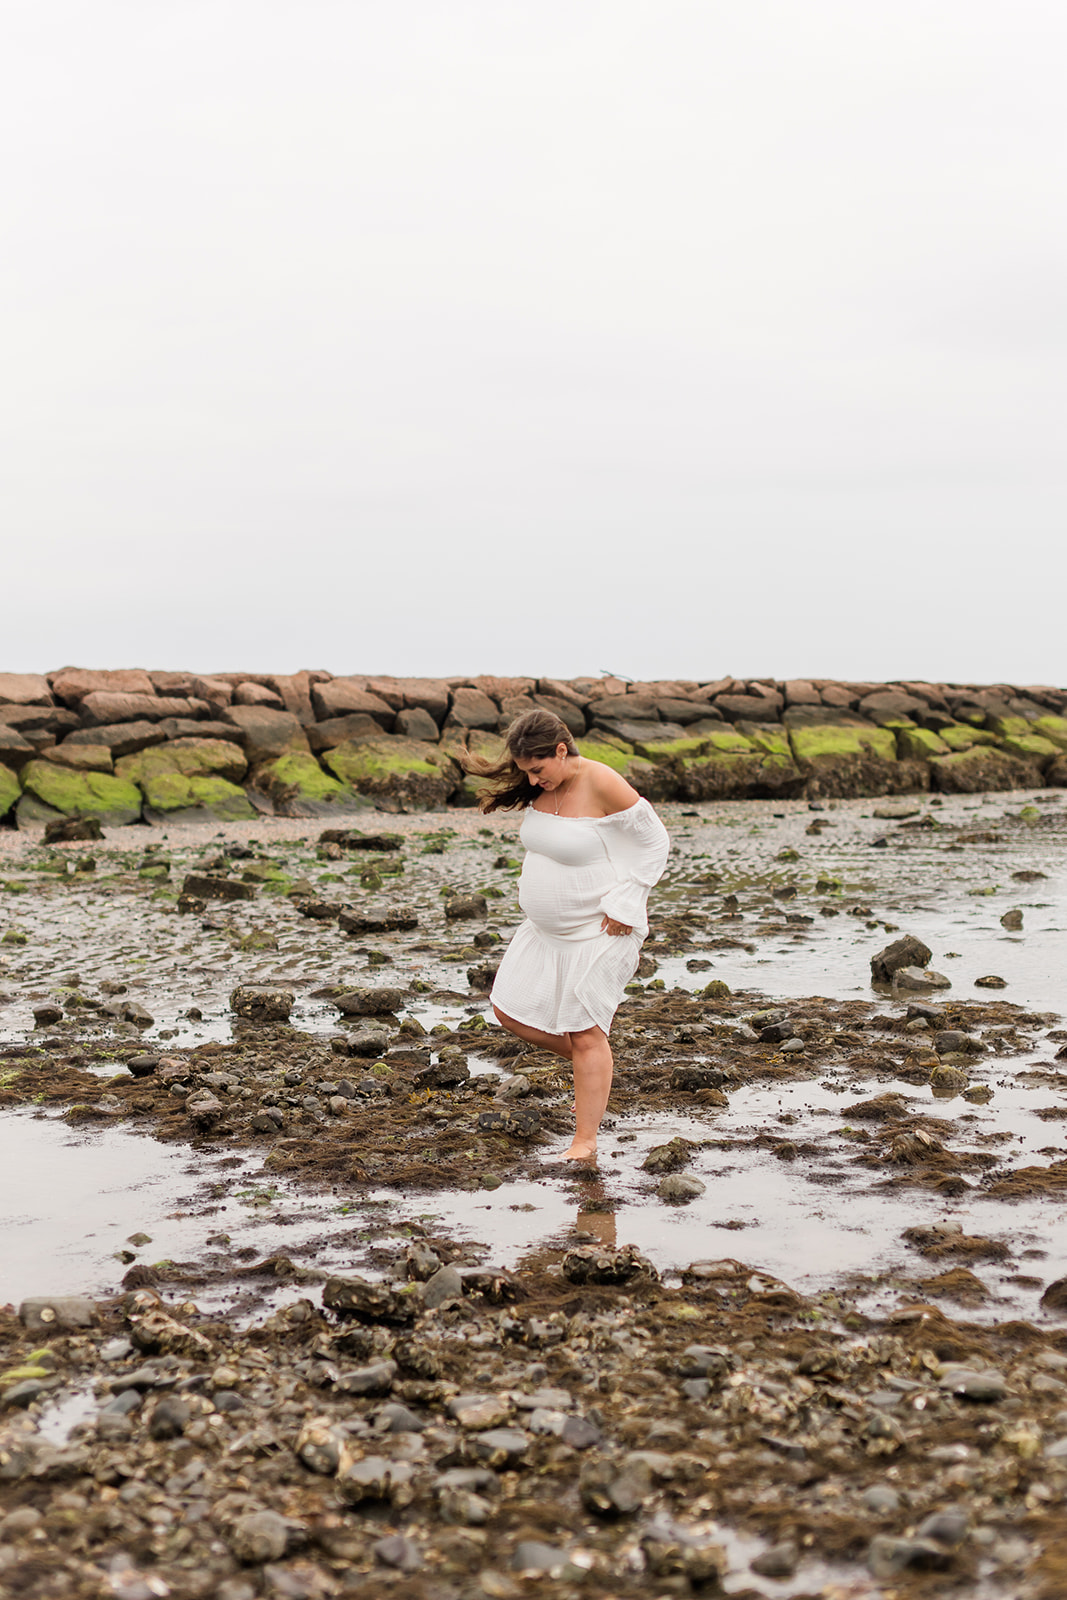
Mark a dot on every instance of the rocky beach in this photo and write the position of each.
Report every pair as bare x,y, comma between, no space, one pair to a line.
294,1306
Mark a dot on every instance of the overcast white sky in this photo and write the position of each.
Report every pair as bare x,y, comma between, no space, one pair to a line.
667,337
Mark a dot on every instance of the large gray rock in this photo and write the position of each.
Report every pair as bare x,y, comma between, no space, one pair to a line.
431,695
104,709
416,724
749,707
352,728
472,709
121,738
342,696
71,685
267,733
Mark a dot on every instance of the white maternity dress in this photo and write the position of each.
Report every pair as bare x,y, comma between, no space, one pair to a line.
561,971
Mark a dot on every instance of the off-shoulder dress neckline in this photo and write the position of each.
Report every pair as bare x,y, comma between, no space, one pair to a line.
562,817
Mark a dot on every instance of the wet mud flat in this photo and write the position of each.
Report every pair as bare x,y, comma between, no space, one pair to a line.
804,1315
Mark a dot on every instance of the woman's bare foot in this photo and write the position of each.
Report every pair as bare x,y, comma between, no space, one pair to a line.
581,1150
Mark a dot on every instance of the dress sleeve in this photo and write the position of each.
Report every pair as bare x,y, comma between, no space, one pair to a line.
637,845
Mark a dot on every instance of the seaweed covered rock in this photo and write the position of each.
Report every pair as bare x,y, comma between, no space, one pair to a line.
112,800
842,755
191,777
298,786
398,774
9,789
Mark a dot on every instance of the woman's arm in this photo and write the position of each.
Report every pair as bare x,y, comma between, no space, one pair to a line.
637,845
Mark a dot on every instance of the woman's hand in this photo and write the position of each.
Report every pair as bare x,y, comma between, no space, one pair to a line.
616,929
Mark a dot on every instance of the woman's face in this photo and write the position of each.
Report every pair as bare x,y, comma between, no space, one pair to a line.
548,772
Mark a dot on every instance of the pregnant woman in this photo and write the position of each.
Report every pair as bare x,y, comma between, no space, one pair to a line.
594,848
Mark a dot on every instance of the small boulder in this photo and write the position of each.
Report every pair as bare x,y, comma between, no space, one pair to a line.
368,1002
368,1302
262,1002
465,907
905,952
601,1264
667,1157
680,1188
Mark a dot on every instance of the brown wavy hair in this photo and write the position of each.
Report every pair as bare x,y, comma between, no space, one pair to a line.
534,736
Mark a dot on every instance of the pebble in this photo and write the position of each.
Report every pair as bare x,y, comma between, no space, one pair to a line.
779,1561
983,1387
881,1500
500,1447
259,1536
398,1552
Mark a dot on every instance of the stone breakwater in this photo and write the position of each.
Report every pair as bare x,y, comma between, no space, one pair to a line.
130,745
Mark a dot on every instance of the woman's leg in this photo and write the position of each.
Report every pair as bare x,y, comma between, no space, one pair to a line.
593,1065
558,1043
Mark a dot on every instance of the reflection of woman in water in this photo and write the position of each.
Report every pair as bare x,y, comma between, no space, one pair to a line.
594,848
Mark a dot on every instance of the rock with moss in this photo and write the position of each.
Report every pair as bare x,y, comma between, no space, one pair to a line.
919,744
171,797
298,787
9,790
191,758
69,793
1031,747
846,756
1053,728
397,774
730,775
1056,772
982,768
190,780
962,736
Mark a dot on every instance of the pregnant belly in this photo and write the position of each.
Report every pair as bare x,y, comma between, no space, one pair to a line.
563,902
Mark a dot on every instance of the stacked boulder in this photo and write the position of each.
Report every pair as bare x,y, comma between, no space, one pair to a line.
130,745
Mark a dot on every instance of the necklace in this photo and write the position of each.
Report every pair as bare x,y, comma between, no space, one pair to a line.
566,783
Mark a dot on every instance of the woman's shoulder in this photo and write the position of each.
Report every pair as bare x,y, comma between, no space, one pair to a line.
610,788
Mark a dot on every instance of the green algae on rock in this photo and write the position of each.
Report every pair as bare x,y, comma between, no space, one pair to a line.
404,772
840,741
1054,728
962,736
192,758
171,796
189,779
9,790
299,788
727,775
919,744
70,793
